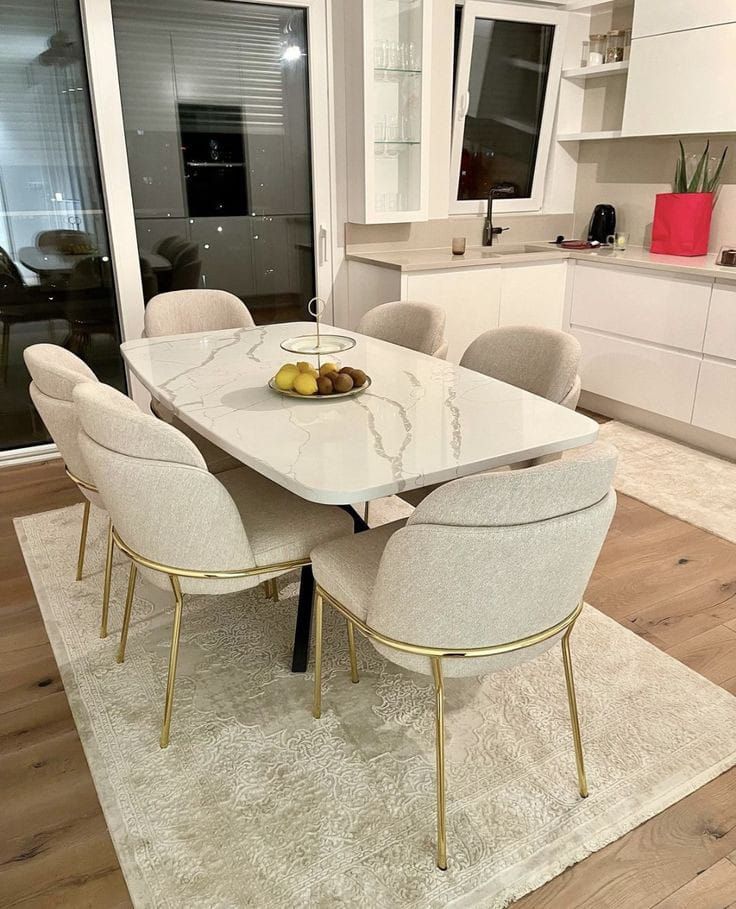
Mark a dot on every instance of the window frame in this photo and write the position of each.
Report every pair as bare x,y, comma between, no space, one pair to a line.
489,9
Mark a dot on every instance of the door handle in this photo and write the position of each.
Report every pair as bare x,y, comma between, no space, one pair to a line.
463,106
322,244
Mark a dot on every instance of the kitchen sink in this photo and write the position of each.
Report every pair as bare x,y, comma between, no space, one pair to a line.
491,252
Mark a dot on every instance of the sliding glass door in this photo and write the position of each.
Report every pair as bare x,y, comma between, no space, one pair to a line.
56,280
216,112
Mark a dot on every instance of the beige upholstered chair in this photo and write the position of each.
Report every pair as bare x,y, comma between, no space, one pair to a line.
492,567
56,372
184,528
418,326
183,312
543,361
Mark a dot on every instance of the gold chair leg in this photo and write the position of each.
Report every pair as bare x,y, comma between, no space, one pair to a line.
83,540
173,656
128,610
106,584
440,759
274,590
317,702
572,702
365,511
351,651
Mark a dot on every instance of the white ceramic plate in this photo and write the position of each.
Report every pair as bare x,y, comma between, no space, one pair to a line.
333,397
328,344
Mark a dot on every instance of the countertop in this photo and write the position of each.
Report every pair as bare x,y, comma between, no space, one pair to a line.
415,260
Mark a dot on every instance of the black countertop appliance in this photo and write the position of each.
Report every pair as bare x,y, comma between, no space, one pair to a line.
602,223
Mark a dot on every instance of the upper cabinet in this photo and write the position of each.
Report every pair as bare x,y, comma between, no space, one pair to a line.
655,17
681,69
388,102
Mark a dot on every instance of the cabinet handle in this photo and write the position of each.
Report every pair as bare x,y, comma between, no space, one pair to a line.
322,244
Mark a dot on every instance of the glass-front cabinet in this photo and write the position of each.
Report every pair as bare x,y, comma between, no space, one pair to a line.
396,65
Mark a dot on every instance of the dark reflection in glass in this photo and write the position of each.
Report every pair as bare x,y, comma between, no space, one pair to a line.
509,69
55,276
216,112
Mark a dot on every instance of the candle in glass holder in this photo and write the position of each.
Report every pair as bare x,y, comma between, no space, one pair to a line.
458,246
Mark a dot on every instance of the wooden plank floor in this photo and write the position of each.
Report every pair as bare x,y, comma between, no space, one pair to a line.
666,580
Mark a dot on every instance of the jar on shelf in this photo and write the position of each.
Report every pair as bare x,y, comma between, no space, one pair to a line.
615,41
597,53
627,44
585,54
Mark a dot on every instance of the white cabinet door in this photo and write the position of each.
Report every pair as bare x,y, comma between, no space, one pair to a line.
720,337
654,379
470,297
682,82
653,17
715,402
645,305
533,294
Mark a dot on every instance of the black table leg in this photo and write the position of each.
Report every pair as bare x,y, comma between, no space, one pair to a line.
359,525
300,656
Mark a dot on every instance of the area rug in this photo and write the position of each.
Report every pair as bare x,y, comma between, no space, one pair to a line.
698,487
255,803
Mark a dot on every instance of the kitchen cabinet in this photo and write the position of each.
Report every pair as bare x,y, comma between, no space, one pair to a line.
682,82
720,338
653,17
642,375
533,294
389,51
471,297
715,402
475,299
646,305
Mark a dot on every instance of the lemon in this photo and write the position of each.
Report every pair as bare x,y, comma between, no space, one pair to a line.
328,368
284,378
304,367
305,384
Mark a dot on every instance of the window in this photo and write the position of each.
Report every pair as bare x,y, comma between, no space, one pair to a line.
56,282
507,72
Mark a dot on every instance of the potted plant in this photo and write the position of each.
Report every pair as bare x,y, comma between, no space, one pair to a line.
682,218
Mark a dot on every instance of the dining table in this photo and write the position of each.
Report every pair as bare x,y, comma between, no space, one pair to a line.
421,421
47,261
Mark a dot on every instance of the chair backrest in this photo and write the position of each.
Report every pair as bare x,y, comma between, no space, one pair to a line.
162,500
495,558
184,311
543,361
65,241
9,274
418,326
186,268
56,372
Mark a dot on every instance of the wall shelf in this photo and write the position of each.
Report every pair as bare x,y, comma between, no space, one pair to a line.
586,137
593,72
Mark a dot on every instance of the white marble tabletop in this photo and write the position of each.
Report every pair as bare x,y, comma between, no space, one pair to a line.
422,421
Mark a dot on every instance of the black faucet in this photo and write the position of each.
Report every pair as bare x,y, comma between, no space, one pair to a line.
489,231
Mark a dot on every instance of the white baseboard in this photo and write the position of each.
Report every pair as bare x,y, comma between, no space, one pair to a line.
712,442
31,455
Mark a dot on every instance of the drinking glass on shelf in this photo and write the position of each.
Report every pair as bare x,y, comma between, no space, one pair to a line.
412,56
380,50
618,240
379,131
458,246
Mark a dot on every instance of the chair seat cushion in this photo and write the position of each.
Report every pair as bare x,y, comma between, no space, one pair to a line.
216,459
346,568
281,526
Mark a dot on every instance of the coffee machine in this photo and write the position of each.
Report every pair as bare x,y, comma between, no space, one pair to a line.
602,223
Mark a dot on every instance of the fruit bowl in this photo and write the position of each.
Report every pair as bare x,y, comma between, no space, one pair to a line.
331,397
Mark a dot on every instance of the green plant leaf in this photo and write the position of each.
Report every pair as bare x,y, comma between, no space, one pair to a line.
698,175
705,177
713,185
682,184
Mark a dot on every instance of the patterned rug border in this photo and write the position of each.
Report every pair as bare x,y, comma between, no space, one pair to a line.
512,887
683,509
